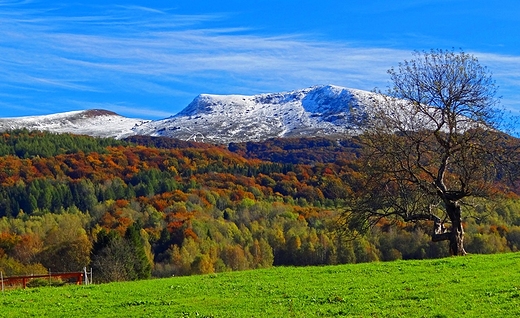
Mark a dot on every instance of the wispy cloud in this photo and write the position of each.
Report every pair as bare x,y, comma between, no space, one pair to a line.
506,72
123,53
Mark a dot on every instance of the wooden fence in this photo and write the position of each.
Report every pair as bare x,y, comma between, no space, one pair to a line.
12,281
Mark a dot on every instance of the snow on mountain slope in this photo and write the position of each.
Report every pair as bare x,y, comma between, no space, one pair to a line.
316,111
97,123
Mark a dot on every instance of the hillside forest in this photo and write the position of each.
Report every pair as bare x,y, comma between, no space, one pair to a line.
151,206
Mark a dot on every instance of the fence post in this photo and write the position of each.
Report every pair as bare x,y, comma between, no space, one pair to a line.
2,279
86,275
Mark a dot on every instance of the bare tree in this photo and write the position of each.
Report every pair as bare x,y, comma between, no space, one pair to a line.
432,140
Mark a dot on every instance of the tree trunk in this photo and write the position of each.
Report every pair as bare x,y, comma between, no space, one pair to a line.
456,235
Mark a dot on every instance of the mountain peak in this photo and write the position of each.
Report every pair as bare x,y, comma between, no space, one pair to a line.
93,122
324,110
207,103
98,112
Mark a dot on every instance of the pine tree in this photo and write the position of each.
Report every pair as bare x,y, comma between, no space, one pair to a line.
141,264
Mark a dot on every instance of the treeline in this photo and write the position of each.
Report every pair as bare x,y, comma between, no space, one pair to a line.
131,211
300,150
26,144
284,150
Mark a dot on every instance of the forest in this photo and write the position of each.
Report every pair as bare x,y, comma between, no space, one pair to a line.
156,207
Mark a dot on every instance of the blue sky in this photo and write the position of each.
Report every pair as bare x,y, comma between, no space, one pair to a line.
149,59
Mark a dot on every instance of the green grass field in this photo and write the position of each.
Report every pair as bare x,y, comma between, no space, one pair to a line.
472,286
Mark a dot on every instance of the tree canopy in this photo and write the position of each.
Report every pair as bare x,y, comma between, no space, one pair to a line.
432,142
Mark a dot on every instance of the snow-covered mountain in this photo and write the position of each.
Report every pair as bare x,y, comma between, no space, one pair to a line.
95,122
315,111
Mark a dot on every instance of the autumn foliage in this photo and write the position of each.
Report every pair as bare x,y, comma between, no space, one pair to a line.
161,207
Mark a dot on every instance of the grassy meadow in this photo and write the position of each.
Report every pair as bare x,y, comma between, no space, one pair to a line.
472,286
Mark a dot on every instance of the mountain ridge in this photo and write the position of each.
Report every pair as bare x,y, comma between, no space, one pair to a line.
92,122
317,111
